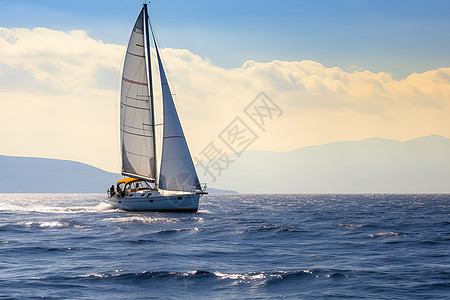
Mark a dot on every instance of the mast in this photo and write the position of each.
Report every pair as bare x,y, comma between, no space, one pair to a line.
149,68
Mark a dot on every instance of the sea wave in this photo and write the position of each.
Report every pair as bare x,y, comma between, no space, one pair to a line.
385,234
253,247
13,208
141,219
234,278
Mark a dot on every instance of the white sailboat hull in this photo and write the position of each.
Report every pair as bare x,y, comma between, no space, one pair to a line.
151,202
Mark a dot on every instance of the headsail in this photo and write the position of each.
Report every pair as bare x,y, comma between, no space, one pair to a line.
177,169
136,122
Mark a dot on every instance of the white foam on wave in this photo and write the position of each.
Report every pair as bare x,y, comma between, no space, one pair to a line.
93,275
58,209
351,225
259,278
50,224
53,203
199,219
141,219
103,206
390,233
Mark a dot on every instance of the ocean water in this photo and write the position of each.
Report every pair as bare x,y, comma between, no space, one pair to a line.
74,246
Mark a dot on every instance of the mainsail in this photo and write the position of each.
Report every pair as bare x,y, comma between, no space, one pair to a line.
177,169
136,122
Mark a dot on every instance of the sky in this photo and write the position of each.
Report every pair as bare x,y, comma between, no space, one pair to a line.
337,70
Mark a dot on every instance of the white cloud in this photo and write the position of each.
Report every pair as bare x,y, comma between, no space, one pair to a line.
57,94
58,99
57,61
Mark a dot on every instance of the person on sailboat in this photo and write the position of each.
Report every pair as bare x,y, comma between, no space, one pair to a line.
120,193
112,191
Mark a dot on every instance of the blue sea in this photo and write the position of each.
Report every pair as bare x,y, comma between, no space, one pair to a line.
75,246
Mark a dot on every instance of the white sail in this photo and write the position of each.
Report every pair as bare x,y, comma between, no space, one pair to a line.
137,140
177,169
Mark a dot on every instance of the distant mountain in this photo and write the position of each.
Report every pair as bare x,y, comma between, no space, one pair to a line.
43,175
373,165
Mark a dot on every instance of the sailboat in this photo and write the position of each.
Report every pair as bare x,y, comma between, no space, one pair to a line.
175,185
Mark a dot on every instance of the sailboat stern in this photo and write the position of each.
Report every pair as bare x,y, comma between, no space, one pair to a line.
200,189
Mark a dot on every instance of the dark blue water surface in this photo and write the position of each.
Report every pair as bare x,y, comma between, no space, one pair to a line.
237,246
